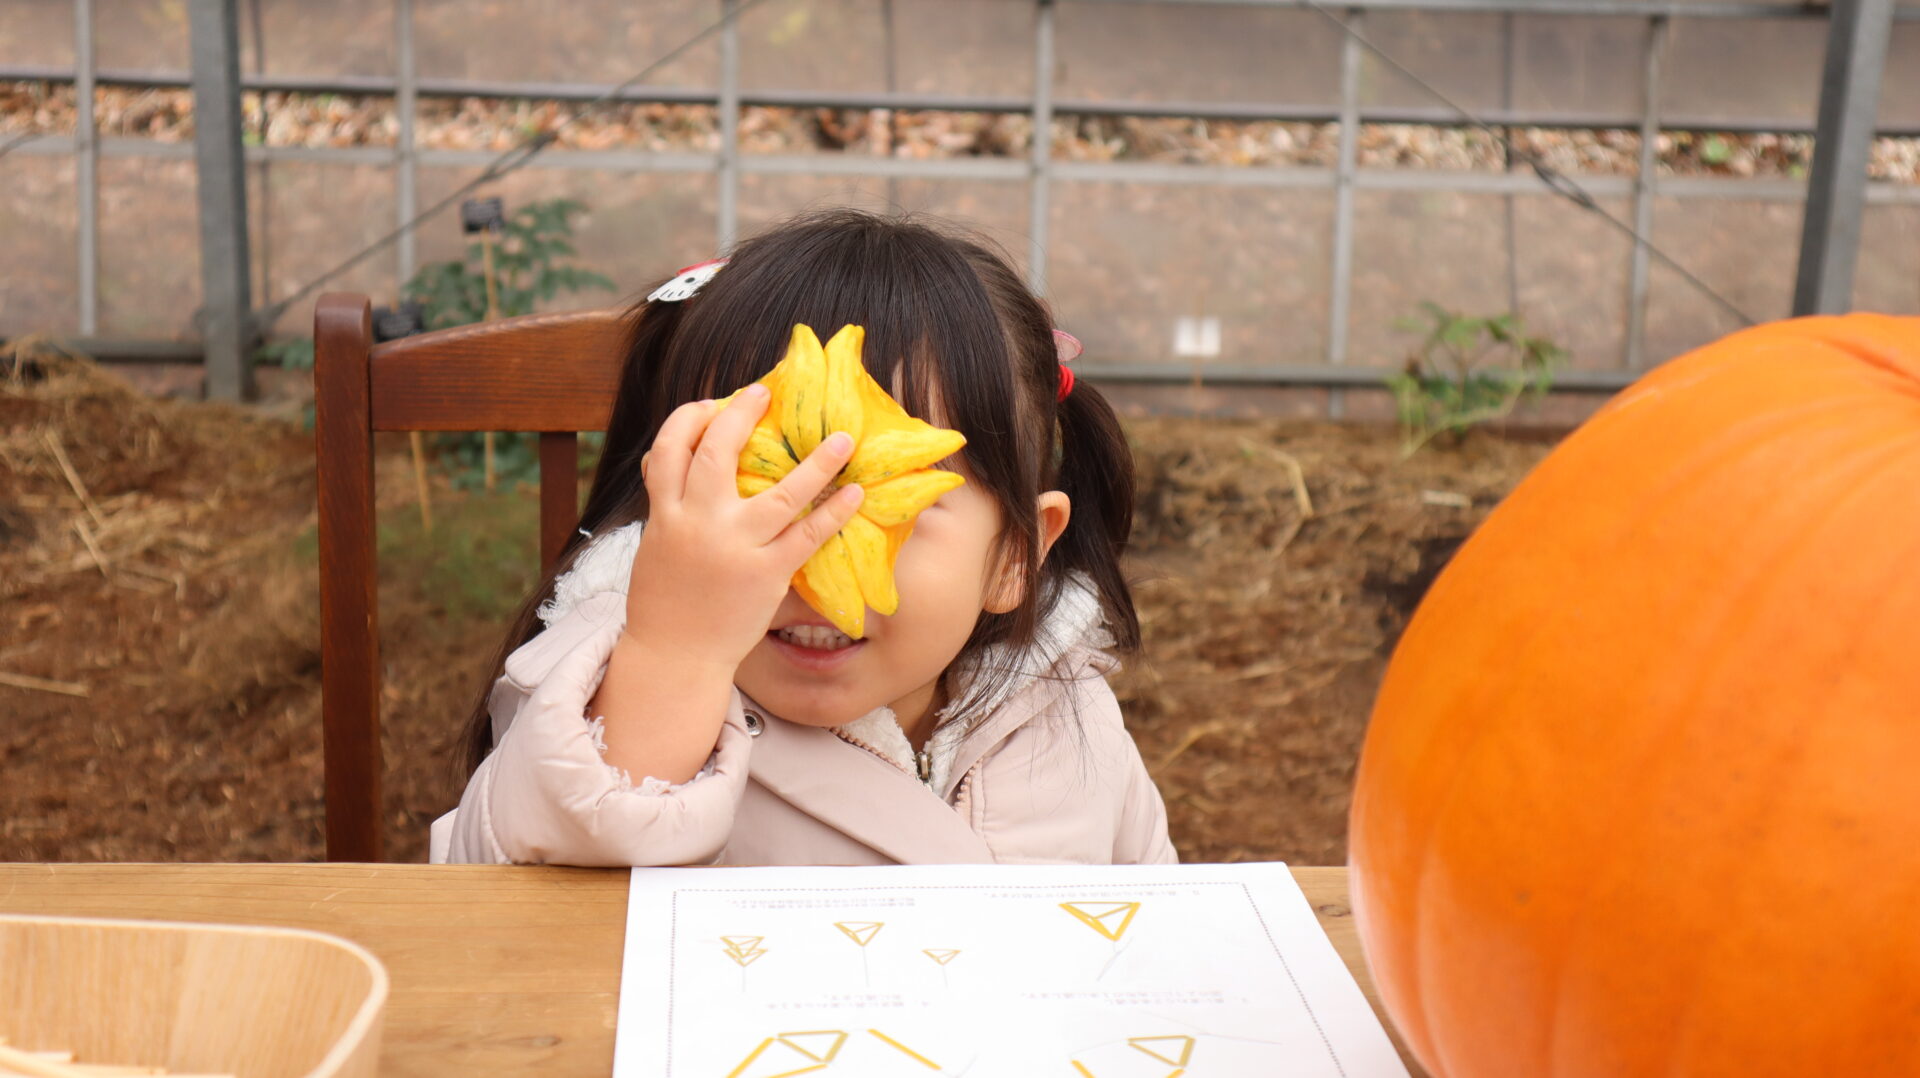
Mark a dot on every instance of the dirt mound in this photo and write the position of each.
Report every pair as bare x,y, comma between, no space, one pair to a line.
1277,563
159,660
134,724
159,629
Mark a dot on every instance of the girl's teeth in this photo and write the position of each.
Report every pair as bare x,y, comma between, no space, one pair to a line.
817,637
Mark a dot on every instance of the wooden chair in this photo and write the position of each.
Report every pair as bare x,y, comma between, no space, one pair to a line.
553,373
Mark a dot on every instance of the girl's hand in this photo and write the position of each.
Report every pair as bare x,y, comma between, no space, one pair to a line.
711,570
712,566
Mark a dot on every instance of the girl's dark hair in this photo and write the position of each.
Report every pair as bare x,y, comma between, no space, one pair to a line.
946,318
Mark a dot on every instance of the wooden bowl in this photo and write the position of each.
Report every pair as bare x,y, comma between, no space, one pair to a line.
194,999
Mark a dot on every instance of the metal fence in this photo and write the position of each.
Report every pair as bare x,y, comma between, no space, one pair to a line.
1257,273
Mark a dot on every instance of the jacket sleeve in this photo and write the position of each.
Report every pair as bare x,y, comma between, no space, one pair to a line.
545,796
1141,836
1140,832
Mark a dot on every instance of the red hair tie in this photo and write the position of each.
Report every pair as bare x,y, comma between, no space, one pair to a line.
1067,348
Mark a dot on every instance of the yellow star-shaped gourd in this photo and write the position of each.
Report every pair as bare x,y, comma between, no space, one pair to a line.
816,391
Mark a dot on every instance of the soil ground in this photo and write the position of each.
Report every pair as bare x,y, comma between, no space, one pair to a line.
159,663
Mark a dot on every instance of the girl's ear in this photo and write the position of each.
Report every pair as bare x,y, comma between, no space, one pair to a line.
1008,589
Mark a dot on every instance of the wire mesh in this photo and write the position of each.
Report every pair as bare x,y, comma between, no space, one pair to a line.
1127,237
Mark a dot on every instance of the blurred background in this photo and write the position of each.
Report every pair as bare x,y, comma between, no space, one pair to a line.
1349,271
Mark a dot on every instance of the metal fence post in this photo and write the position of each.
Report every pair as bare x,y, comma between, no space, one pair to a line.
1340,284
1849,103
1643,190
1040,155
727,219
262,259
1509,209
86,169
890,69
406,87
224,270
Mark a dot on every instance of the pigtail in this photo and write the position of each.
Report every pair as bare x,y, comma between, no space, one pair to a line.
616,498
1095,471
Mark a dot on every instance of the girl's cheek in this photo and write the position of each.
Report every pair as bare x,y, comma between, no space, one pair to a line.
953,535
921,549
929,558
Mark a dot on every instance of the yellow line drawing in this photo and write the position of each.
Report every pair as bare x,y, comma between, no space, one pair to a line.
817,1046
768,1043
743,949
860,932
917,1056
802,1070
1085,1073
1110,919
941,956
818,1054
1172,1049
1181,1047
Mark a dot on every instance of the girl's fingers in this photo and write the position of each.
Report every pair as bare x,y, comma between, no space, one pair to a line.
804,536
771,510
664,467
717,460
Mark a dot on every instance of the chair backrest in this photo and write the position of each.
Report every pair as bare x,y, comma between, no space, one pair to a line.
550,373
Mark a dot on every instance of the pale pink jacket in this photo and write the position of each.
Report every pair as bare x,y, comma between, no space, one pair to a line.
1050,776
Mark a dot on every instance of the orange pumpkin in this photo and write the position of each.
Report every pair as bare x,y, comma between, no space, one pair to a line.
1641,794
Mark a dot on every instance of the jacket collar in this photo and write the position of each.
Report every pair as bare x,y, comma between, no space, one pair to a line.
821,775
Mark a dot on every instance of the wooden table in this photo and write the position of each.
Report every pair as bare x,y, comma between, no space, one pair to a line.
493,968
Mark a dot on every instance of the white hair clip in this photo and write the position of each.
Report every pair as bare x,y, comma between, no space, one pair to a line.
688,281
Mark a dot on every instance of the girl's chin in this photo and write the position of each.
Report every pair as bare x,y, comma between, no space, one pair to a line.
808,686
824,722
808,710
802,704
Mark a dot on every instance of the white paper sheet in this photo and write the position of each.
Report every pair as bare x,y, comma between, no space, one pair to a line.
995,971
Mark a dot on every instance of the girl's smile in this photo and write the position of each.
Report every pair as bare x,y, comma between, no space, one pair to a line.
814,647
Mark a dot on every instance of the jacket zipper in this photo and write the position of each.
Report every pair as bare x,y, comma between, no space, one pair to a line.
923,760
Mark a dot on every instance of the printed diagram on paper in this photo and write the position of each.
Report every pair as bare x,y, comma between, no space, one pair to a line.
1197,971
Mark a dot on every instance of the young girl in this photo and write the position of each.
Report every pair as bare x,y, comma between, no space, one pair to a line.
674,702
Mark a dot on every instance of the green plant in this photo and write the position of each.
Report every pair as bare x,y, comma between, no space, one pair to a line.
295,354
475,564
1447,386
527,269
530,267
